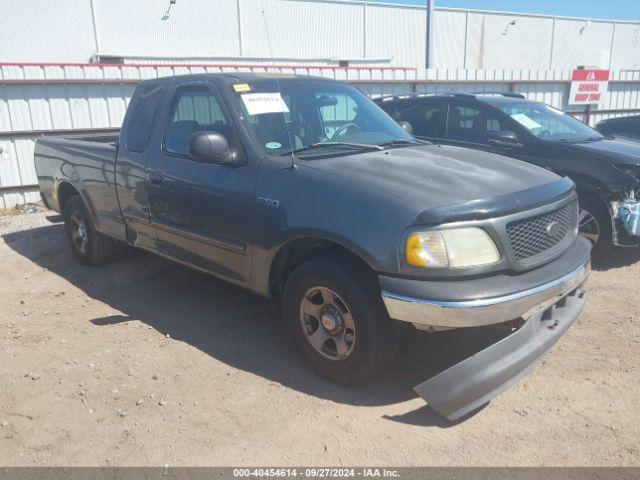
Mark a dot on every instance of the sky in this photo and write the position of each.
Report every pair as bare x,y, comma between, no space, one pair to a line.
605,9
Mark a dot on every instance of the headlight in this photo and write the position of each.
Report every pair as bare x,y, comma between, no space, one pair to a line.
456,247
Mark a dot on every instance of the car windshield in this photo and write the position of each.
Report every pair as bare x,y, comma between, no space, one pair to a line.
548,123
313,118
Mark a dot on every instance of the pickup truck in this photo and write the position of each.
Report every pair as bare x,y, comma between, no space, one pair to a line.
303,189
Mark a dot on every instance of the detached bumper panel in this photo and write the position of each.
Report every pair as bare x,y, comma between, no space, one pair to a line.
473,382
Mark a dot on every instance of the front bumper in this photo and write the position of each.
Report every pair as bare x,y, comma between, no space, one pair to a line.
544,310
486,301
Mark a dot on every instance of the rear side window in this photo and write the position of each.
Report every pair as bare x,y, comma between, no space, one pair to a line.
427,118
627,127
143,115
194,110
468,124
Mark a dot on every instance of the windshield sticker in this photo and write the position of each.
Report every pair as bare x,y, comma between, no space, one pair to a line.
525,121
261,103
273,145
242,87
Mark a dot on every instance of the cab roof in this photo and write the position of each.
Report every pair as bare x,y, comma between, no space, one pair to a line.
235,77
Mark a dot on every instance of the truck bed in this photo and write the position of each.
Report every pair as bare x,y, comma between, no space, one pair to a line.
84,165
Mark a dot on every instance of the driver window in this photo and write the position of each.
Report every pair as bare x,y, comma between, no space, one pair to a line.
337,112
472,125
194,109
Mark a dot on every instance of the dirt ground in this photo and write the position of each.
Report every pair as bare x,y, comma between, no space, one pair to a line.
144,362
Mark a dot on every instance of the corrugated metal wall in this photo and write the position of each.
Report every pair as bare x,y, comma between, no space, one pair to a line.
75,30
474,39
35,99
46,31
194,28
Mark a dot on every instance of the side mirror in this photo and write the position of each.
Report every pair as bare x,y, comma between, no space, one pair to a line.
406,126
211,147
505,139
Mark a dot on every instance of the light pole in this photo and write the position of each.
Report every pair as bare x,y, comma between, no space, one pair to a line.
429,49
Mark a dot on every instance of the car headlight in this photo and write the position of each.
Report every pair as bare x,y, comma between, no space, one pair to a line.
455,247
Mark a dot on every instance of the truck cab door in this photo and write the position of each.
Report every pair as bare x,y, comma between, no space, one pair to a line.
131,164
201,211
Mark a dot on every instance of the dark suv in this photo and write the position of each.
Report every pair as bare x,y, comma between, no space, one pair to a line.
606,171
621,128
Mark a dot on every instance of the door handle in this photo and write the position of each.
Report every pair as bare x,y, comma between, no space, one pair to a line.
155,178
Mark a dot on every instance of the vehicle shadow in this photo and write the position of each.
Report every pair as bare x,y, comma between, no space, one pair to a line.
617,258
235,326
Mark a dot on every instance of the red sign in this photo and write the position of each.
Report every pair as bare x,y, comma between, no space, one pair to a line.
588,86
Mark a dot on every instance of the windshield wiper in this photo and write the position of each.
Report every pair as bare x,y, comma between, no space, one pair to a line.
313,146
580,140
402,141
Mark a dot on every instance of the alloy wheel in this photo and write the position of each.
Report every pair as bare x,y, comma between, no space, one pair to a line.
79,233
327,323
588,226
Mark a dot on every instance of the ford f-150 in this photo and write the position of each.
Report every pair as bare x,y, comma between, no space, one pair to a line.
303,189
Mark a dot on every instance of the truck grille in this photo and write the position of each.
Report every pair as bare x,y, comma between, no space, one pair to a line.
548,232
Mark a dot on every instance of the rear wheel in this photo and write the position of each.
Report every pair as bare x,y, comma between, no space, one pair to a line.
337,321
89,246
595,224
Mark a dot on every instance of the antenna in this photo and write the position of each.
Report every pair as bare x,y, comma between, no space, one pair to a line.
266,29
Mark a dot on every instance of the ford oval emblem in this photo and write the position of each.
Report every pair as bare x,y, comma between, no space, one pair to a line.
553,229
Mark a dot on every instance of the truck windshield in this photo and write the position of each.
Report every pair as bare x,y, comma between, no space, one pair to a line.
548,123
315,118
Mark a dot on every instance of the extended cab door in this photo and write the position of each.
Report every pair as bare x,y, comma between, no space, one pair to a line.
200,210
131,164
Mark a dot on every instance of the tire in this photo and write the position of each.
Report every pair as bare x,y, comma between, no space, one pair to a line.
595,224
358,310
89,246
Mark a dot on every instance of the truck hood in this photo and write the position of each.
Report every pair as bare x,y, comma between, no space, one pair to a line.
436,176
627,153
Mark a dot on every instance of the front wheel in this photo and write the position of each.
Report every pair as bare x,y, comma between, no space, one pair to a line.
337,321
595,224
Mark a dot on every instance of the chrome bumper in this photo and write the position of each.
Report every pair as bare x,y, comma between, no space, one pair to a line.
485,311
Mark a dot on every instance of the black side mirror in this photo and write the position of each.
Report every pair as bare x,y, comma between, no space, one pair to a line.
505,139
406,126
211,147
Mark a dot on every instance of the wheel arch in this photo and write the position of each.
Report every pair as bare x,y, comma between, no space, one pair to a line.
64,191
303,248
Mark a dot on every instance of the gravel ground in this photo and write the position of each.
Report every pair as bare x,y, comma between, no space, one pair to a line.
144,362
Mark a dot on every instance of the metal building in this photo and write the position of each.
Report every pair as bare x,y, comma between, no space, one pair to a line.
302,31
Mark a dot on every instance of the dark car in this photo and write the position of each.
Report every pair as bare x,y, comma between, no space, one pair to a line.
606,171
621,128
